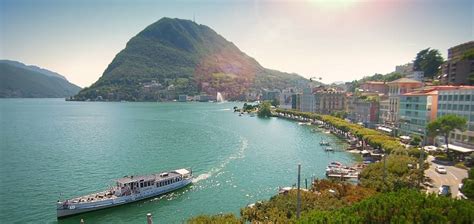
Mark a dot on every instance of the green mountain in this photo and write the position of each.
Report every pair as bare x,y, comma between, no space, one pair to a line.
22,81
175,56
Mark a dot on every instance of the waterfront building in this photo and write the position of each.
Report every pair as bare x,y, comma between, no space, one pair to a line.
327,101
270,95
364,110
395,90
203,98
296,101
458,68
307,100
384,105
286,97
182,98
417,109
458,101
374,87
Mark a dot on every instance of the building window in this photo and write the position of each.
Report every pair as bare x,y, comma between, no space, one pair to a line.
466,107
461,97
450,97
455,97
449,106
455,107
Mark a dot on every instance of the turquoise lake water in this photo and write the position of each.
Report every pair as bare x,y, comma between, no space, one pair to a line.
51,147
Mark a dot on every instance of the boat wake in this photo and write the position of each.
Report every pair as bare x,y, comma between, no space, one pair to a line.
201,177
240,154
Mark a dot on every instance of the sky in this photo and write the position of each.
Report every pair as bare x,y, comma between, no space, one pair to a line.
337,40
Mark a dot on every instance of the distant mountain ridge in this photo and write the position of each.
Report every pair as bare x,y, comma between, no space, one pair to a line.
33,68
175,56
18,80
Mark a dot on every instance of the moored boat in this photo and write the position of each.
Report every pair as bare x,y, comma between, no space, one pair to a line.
128,189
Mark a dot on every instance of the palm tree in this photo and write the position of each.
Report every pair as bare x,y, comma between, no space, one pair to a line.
444,125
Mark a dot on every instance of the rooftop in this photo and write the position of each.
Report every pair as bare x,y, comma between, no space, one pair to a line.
404,80
157,177
374,82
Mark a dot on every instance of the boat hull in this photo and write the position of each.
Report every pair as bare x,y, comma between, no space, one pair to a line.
66,212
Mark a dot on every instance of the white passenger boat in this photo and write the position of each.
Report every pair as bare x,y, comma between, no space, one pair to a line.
128,189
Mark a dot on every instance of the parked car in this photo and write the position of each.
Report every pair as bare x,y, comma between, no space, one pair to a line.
444,190
428,184
441,169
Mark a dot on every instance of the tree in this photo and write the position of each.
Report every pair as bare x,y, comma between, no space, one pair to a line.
468,185
275,102
405,206
264,109
445,124
428,61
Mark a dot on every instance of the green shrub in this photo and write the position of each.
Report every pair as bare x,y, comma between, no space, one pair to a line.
407,206
442,158
222,218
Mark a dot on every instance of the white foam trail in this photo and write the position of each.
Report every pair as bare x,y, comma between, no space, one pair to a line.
201,177
240,154
225,109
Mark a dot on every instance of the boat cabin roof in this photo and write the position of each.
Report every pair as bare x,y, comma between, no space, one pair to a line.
154,177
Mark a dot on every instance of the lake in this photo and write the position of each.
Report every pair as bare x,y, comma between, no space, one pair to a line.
52,148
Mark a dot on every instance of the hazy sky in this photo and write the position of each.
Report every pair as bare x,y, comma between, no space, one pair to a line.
338,40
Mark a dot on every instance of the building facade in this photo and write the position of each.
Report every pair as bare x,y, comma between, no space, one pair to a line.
374,87
270,95
404,69
286,99
459,101
417,109
395,90
384,105
364,110
459,69
416,75
296,101
329,100
307,100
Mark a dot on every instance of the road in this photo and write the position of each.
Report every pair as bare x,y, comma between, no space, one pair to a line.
453,177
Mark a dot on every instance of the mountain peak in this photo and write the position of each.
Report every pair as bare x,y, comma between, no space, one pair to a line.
190,57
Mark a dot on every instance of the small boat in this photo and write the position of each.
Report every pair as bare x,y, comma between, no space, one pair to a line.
324,143
127,190
329,149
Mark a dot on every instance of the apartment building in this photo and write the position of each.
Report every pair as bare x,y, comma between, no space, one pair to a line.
397,88
459,101
458,68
